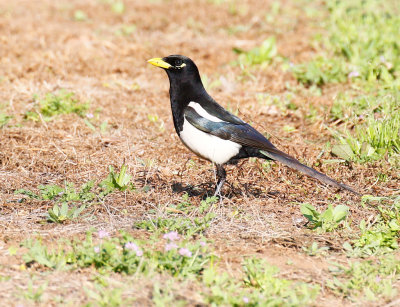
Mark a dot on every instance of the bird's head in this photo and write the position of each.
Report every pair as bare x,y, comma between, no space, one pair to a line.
180,69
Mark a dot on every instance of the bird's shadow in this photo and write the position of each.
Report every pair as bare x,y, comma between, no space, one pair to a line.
207,189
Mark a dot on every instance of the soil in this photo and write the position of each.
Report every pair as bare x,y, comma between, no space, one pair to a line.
44,48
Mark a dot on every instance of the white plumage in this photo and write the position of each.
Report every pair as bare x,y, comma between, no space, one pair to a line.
206,145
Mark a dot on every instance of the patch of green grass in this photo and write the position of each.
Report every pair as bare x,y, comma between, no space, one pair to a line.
54,104
320,71
86,195
284,103
118,7
4,119
181,258
210,83
34,293
381,233
105,295
261,287
163,295
377,125
122,254
125,30
262,55
326,221
315,250
153,118
80,15
187,224
365,34
115,181
366,280
361,44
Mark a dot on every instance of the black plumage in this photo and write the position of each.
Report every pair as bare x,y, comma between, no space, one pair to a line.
212,132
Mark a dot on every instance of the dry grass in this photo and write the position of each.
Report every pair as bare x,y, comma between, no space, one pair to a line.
43,49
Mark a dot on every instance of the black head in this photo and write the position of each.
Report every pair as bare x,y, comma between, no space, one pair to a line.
181,70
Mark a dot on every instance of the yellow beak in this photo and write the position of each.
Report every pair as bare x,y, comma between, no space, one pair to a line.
159,63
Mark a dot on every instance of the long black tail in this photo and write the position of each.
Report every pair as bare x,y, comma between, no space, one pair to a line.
284,158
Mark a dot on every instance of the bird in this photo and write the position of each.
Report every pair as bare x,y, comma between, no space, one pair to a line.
213,133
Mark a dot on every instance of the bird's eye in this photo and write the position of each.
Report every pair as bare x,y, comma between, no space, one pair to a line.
178,63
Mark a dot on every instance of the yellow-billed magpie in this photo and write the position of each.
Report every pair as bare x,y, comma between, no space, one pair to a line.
212,132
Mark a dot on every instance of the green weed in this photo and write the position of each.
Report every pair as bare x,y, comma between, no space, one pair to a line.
39,253
370,280
364,33
320,71
315,250
261,287
372,141
4,119
34,293
62,194
64,213
262,55
325,221
189,226
122,254
362,44
377,124
164,296
276,291
126,30
285,103
80,15
116,181
118,7
54,104
381,233
105,295
157,121
87,195
208,83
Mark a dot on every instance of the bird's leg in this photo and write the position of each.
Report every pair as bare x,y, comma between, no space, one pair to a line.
221,178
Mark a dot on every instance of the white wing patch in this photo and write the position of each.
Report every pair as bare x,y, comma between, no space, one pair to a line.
205,145
199,109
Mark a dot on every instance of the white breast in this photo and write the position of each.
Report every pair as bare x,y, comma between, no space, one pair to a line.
206,145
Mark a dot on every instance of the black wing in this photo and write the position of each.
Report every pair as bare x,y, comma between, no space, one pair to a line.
241,133
246,135
213,108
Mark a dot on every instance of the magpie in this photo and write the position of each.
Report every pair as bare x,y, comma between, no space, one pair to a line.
213,133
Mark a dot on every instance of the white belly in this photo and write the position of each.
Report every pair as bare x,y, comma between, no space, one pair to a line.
208,146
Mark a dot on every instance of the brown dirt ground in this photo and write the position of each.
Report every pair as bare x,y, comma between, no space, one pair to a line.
43,49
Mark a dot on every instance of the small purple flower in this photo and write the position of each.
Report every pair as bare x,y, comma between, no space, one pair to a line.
89,115
185,252
245,299
139,253
133,247
378,279
103,234
202,243
354,74
382,59
170,246
96,249
172,236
